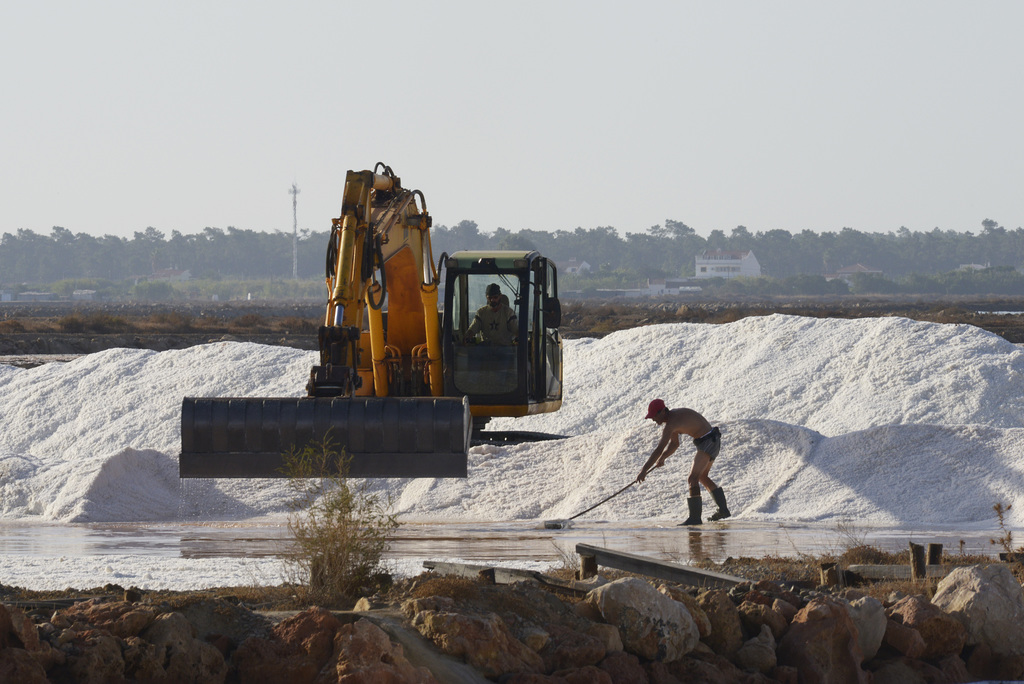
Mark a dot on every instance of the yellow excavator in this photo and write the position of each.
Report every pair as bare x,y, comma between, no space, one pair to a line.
403,387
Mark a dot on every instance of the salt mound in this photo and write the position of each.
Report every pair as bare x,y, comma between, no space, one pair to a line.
883,420
830,375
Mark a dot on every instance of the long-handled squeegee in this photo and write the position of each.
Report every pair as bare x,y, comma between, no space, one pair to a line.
562,524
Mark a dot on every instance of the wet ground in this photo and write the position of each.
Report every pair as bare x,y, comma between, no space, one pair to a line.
488,542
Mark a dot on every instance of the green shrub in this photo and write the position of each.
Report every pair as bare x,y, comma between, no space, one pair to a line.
341,530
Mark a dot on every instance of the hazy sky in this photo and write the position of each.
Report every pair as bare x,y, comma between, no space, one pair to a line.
542,115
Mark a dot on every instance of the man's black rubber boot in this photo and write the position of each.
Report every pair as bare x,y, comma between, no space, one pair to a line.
723,510
695,505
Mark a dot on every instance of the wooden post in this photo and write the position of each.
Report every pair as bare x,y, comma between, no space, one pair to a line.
829,574
934,554
918,570
588,566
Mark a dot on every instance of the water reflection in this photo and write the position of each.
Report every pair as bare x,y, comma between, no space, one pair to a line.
482,542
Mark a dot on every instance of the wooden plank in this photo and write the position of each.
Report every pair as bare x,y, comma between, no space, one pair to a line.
884,572
672,572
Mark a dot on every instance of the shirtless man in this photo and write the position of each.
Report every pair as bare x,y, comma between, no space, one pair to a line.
708,441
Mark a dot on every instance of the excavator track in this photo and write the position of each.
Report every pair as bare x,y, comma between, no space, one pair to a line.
226,437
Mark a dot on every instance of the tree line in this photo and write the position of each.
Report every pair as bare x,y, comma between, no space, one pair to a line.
788,260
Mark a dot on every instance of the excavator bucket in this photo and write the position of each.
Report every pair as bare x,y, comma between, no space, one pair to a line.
382,436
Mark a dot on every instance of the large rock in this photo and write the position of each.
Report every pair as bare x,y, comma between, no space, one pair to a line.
17,665
484,642
97,657
185,658
757,615
696,612
758,654
823,644
120,618
364,654
568,649
726,627
312,632
260,659
869,616
652,625
624,668
989,602
943,634
903,639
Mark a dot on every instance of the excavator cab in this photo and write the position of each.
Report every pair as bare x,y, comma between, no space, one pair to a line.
504,356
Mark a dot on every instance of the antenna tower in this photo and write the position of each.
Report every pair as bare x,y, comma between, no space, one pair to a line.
294,192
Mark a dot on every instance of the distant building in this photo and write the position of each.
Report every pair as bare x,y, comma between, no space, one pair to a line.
670,286
847,272
171,275
83,295
36,297
725,263
974,267
574,267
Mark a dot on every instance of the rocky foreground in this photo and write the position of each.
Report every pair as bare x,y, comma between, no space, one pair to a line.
626,630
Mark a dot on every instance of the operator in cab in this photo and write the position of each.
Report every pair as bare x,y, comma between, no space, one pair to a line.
496,322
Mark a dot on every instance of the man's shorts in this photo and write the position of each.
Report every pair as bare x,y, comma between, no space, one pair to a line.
710,444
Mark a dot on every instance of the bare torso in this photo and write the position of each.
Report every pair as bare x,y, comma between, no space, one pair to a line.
684,421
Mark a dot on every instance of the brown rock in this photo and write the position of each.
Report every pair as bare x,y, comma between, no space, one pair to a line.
364,654
568,649
755,615
785,674
485,643
438,604
141,660
785,609
263,660
907,671
758,654
822,644
726,628
7,635
777,591
312,632
22,628
954,669
702,668
588,674
943,634
624,668
185,658
700,618
652,625
98,659
903,639
984,663
607,635
17,665
120,618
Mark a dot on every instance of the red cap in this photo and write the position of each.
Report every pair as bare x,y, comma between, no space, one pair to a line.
655,407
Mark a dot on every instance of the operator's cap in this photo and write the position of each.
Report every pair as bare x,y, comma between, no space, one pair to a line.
655,407
493,289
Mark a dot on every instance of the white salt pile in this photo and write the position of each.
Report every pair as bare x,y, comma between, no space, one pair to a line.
886,421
